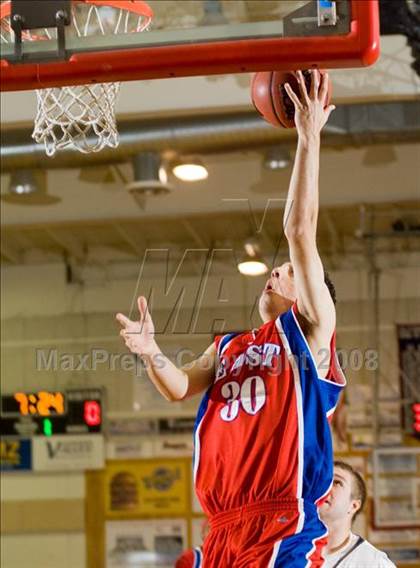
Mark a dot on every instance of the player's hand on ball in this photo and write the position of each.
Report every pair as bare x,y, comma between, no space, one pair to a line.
139,336
311,109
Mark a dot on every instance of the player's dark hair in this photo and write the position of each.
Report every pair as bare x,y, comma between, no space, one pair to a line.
358,486
330,286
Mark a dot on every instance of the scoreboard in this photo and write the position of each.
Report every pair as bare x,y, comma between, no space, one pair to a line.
46,413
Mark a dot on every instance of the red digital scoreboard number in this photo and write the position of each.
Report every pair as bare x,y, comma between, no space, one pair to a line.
92,413
416,418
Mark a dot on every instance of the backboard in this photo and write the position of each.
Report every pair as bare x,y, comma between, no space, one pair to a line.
194,37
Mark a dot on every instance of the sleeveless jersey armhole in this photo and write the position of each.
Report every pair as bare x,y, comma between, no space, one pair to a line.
221,342
335,375
332,385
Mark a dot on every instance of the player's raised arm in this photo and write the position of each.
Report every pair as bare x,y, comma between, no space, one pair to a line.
173,383
301,212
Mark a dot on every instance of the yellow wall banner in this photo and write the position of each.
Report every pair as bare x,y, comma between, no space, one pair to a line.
146,488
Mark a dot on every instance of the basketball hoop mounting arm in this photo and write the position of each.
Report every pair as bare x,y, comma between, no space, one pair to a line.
315,18
327,13
25,15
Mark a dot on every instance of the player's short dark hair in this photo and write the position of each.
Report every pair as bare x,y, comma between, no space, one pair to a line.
358,486
330,286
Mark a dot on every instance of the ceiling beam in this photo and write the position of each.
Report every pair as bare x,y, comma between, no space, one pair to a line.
10,253
199,241
22,241
127,238
68,243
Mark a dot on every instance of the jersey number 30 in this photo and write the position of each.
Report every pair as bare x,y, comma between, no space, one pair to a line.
250,395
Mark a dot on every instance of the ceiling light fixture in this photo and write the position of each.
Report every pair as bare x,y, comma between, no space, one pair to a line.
22,183
277,158
29,187
252,264
149,176
252,267
191,170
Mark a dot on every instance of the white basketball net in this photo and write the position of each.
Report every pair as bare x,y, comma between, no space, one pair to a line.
81,117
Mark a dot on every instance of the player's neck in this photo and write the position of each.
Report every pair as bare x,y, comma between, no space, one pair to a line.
273,314
339,535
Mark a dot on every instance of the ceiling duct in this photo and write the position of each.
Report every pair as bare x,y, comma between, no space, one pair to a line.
349,125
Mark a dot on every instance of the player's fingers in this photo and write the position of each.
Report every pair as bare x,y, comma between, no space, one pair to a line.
302,88
329,110
144,311
293,97
125,334
123,320
144,307
315,79
140,306
323,91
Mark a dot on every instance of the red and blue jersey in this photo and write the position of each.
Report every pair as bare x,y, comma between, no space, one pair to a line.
262,431
191,558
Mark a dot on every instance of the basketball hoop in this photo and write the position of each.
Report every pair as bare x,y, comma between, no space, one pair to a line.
81,117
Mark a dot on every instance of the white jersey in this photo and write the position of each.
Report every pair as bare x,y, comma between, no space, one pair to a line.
363,556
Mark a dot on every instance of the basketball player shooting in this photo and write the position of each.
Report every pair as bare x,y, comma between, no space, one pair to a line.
263,453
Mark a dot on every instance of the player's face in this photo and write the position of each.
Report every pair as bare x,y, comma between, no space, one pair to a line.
340,504
279,292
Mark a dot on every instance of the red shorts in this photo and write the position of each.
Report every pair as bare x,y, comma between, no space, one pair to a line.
279,533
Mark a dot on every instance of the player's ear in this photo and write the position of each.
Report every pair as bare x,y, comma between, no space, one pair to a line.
355,506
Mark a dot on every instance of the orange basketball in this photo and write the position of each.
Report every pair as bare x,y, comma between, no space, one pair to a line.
271,100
